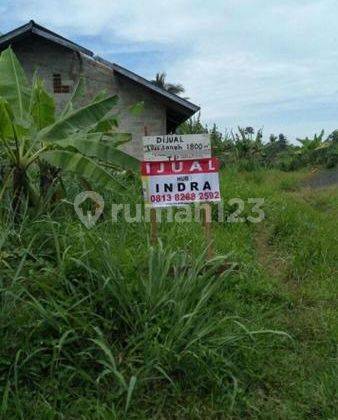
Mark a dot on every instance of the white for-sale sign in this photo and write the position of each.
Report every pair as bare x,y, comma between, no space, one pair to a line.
176,147
174,183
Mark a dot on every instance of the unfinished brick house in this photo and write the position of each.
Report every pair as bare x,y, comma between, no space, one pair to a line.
61,62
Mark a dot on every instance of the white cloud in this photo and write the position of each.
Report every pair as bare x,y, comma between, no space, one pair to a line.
237,58
159,21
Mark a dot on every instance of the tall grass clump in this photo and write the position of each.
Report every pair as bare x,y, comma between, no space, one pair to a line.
84,331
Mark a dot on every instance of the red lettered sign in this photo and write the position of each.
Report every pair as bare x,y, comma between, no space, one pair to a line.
180,182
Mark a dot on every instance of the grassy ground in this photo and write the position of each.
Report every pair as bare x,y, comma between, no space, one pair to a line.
96,324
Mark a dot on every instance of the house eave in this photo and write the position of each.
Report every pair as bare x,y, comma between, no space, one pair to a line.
34,28
181,104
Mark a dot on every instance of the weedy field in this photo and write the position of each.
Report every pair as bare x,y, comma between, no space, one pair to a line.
95,323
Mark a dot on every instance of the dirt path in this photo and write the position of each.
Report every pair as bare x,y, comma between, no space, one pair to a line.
269,258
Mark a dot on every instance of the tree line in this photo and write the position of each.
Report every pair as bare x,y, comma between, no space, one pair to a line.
246,148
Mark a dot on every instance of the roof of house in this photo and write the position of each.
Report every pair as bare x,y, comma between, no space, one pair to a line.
33,28
181,109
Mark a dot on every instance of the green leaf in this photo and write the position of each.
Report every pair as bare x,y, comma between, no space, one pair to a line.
83,119
119,158
78,93
14,85
78,164
108,123
324,145
94,148
101,95
137,109
6,120
42,105
112,139
116,139
131,387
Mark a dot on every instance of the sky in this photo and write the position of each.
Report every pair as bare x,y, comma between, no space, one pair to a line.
270,64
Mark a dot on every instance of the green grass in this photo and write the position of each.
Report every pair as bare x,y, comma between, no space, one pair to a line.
97,324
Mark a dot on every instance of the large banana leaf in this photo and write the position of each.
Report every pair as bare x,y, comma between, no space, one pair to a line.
42,106
112,139
116,139
82,119
137,108
14,85
78,93
78,164
324,145
102,94
6,118
104,151
107,124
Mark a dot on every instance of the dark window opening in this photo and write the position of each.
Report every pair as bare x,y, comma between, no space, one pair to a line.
58,87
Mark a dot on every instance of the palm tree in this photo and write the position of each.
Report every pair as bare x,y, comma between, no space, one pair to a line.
273,138
282,139
160,81
250,131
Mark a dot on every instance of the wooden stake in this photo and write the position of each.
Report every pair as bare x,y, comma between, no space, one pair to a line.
153,227
207,230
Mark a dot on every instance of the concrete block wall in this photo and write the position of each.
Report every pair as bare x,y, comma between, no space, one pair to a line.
99,77
49,59
36,54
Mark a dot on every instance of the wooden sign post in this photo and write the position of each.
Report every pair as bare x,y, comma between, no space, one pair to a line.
207,230
179,170
153,226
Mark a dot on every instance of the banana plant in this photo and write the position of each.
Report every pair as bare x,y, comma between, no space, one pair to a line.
35,139
309,145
